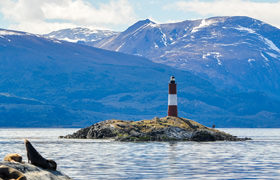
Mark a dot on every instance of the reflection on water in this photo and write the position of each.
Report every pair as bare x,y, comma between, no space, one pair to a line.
105,159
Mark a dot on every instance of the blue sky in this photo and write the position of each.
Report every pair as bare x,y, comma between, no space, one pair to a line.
43,16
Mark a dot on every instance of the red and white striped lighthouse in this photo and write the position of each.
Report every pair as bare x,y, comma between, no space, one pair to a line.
172,98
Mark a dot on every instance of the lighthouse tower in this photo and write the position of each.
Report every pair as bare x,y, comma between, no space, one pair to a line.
172,98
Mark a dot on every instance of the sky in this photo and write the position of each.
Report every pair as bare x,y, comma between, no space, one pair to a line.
44,16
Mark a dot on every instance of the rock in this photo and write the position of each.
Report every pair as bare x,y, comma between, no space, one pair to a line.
203,135
158,129
32,172
7,172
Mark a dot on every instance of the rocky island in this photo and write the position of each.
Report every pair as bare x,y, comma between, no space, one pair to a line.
169,128
157,129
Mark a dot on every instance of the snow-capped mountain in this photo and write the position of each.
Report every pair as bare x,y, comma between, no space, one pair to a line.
232,52
81,35
45,82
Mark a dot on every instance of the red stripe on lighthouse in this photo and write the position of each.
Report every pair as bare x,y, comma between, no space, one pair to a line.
172,98
172,88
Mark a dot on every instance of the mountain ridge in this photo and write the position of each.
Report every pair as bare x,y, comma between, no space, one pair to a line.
230,51
81,35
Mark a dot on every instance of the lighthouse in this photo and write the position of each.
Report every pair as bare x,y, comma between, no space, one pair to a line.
172,98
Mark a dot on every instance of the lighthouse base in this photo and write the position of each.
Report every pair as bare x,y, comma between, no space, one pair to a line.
172,111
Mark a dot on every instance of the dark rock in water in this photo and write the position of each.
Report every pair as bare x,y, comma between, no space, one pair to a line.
208,135
203,136
157,129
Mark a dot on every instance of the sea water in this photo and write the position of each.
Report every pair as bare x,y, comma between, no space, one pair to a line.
106,159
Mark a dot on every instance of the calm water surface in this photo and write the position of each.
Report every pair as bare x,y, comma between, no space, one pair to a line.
104,159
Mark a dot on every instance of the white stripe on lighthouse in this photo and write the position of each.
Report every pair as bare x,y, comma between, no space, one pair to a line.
172,99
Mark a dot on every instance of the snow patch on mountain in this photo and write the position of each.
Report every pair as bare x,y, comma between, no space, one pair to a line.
56,41
156,46
120,47
73,40
241,28
154,25
270,44
265,58
18,97
163,37
204,23
251,60
272,55
216,55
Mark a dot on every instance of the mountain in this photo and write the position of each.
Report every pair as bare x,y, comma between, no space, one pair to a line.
46,82
232,52
81,35
24,112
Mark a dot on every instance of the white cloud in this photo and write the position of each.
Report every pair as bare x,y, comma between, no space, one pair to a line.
268,12
43,16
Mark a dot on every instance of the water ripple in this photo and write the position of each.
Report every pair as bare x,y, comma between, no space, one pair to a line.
105,159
